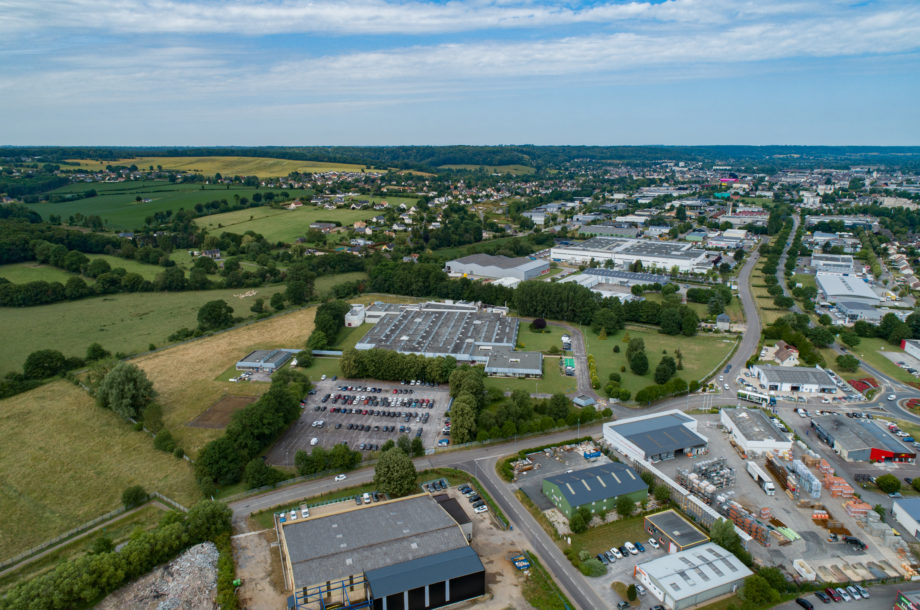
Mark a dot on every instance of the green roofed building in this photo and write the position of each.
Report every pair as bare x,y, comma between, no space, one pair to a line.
596,488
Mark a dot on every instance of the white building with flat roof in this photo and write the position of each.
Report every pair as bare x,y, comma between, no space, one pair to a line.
832,263
753,431
663,255
794,379
834,287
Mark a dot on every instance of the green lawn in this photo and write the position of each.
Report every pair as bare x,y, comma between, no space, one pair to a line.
71,463
701,354
805,279
553,381
868,351
349,336
323,366
325,283
148,272
529,340
117,205
603,537
21,273
279,224
126,323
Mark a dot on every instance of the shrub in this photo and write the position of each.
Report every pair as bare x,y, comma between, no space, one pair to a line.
134,496
888,483
592,567
164,441
631,592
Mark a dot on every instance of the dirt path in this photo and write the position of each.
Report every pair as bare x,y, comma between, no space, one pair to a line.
258,565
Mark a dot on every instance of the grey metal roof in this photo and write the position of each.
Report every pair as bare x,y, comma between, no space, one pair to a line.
423,571
910,505
453,508
263,357
639,247
677,528
368,537
662,434
797,375
502,262
754,425
504,359
648,278
836,285
854,434
598,483
694,571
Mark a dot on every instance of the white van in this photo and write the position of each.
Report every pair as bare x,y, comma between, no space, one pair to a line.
367,498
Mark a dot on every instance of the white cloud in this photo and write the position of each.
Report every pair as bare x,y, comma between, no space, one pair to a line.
255,17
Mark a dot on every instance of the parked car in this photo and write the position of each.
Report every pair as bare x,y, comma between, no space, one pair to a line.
832,593
640,590
843,594
640,547
804,603
854,592
622,605
653,543
481,509
616,553
631,548
824,597
862,591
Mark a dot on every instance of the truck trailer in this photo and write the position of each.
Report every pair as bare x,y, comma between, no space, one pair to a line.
761,478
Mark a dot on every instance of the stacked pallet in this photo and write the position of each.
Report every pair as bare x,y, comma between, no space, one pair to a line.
825,468
837,486
856,508
748,524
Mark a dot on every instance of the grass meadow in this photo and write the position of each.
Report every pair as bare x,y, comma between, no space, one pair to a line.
701,354
263,167
126,323
278,224
117,206
553,381
21,273
185,376
67,461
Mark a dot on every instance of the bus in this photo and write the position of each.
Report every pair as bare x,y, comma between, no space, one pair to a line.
761,399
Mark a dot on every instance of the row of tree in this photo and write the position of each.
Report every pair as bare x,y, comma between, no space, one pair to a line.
388,365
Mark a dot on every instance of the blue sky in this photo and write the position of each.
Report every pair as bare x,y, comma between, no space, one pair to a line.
377,72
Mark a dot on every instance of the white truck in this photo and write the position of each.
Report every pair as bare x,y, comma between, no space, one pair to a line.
761,478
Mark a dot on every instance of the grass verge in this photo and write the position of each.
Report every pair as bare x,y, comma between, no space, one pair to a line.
541,591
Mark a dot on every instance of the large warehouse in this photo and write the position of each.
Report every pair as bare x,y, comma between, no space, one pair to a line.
694,576
794,378
834,287
486,265
753,431
265,360
832,263
857,440
624,252
655,437
399,554
597,488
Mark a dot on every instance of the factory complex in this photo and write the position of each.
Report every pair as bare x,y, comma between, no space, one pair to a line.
625,252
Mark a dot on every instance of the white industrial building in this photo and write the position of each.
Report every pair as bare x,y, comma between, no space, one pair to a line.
623,252
832,263
794,379
754,432
489,266
835,287
690,578
356,315
907,513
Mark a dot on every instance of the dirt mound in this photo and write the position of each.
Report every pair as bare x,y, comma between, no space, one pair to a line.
187,582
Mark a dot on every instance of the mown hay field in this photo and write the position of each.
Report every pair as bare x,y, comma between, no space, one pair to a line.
66,461
185,376
263,167
279,224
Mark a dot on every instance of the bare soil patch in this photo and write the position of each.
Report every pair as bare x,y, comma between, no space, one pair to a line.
218,414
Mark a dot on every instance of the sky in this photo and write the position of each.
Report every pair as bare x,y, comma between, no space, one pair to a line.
385,72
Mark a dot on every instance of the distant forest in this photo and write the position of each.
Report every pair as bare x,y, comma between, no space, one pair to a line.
538,157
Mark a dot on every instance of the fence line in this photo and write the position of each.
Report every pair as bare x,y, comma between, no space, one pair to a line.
169,501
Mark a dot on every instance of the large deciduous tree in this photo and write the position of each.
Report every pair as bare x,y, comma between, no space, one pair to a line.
395,474
125,390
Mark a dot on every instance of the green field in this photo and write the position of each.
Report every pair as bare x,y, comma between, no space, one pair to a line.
277,224
540,342
805,279
117,531
349,336
262,167
325,283
71,463
553,381
117,206
21,273
120,322
701,354
868,351
148,272
516,170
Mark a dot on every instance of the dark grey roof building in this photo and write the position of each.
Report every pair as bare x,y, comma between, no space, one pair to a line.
507,363
487,265
596,488
857,440
655,437
406,553
265,360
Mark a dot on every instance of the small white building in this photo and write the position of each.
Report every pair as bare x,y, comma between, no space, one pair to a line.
753,431
355,316
832,263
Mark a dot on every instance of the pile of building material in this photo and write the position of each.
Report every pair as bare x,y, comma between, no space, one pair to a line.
804,570
522,465
872,522
837,486
809,482
707,478
746,522
782,474
857,508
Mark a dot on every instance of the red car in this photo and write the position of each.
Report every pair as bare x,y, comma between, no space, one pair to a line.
833,594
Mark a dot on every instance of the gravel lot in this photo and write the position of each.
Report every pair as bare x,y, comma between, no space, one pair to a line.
374,406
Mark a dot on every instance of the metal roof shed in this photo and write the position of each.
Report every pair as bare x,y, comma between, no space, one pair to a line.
452,576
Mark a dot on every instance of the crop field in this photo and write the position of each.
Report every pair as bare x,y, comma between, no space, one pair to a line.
116,203
68,461
263,167
185,375
516,170
126,323
20,273
278,224
701,354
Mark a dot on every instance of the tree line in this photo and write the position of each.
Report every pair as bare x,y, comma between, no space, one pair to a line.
388,365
